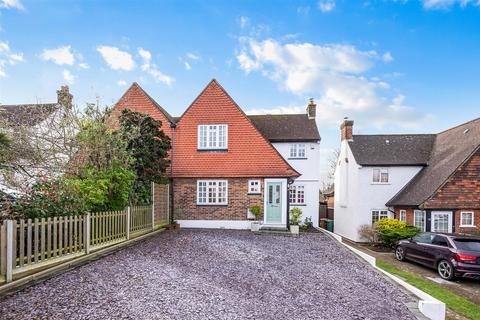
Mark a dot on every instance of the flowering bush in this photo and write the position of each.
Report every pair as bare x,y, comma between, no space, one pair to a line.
390,231
295,216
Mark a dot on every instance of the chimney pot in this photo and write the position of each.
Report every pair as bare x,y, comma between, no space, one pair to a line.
312,109
64,97
346,129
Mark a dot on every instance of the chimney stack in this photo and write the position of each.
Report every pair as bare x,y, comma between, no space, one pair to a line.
64,97
311,109
346,128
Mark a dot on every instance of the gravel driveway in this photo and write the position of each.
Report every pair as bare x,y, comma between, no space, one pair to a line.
216,274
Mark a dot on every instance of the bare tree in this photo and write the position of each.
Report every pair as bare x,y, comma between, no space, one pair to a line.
332,165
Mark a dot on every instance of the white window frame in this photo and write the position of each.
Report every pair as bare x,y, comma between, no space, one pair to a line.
380,172
294,191
424,213
402,216
295,149
381,212
254,187
473,219
211,140
203,198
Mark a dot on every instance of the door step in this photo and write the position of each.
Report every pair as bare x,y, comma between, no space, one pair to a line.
283,231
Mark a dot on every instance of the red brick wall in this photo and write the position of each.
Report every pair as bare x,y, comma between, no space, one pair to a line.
409,214
462,190
185,201
476,217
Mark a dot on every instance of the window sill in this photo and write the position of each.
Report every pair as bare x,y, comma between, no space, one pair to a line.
254,193
212,150
468,226
297,158
212,205
298,204
380,183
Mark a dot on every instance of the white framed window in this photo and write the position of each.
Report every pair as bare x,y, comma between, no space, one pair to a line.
403,215
419,217
466,219
298,150
297,194
212,136
380,176
212,192
378,215
254,187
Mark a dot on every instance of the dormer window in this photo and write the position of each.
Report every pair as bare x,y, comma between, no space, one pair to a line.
380,176
298,151
213,137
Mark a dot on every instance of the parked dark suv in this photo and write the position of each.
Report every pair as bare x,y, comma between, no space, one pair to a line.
452,255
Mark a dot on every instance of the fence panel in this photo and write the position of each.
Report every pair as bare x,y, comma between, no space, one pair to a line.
140,219
107,227
161,203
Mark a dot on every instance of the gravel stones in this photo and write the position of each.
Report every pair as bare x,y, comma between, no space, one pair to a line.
216,274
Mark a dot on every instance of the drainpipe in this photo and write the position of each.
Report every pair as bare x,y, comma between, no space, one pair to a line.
289,183
172,126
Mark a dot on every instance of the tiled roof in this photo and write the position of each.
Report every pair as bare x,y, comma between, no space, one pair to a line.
286,127
392,150
451,149
249,154
27,114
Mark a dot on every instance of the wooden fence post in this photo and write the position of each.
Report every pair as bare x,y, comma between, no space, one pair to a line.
128,223
153,205
3,249
87,233
10,253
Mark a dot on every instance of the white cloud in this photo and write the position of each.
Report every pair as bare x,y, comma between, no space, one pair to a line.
152,69
121,83
116,58
335,74
326,5
60,55
84,65
445,4
243,22
187,65
387,57
8,4
193,56
68,76
8,58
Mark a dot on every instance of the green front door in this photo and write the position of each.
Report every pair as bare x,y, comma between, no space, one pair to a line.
274,202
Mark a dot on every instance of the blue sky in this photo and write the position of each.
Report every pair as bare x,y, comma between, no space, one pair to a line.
392,66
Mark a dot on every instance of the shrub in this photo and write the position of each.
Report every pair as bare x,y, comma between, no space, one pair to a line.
369,233
307,224
256,210
295,216
390,231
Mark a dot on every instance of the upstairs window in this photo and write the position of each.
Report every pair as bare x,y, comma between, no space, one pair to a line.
212,192
297,194
212,137
380,176
298,151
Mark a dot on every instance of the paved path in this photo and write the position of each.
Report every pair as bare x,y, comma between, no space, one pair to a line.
217,274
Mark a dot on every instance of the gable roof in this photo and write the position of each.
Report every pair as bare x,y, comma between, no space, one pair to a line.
136,99
27,114
286,127
392,150
451,149
249,154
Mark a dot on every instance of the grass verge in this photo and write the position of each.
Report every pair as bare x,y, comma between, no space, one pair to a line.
452,300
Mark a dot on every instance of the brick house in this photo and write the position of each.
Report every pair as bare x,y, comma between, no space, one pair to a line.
224,161
431,181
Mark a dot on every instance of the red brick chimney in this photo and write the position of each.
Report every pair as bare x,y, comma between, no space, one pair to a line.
64,97
311,109
346,128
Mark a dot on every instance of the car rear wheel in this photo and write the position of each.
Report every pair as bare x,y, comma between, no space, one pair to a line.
400,253
445,270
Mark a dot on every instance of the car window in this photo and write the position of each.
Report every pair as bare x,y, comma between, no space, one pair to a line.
440,241
467,244
423,238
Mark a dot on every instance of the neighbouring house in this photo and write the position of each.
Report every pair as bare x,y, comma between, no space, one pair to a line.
42,132
224,161
431,181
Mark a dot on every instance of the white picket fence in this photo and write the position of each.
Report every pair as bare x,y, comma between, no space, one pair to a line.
29,245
